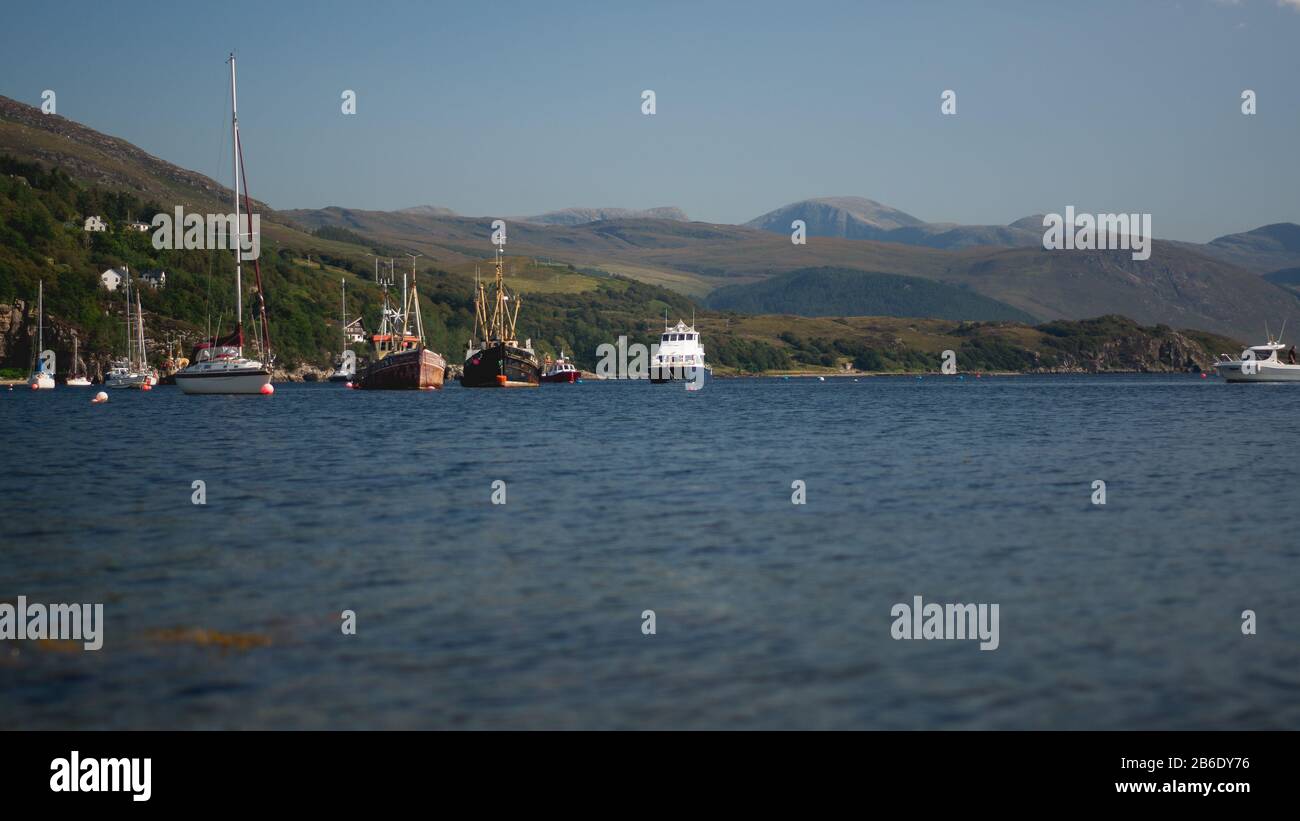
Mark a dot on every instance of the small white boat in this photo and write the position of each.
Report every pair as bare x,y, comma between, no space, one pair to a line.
132,371
77,378
42,373
346,370
1261,363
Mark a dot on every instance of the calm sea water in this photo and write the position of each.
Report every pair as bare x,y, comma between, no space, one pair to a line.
623,497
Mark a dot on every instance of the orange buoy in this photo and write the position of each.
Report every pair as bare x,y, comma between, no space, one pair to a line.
146,387
99,399
501,379
267,390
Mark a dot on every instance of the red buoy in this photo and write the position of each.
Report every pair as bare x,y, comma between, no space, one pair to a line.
267,390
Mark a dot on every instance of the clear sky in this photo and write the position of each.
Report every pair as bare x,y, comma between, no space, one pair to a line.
501,108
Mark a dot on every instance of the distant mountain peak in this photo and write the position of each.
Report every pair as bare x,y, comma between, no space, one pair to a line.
428,211
581,216
847,217
1033,222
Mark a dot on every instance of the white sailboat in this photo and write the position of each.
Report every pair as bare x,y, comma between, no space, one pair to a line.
220,366
77,377
347,367
42,372
133,371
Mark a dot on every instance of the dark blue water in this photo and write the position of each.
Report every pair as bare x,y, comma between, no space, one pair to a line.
623,497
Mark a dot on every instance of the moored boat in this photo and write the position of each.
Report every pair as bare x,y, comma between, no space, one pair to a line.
494,358
225,369
77,377
680,356
41,375
346,368
400,359
133,371
559,370
1261,363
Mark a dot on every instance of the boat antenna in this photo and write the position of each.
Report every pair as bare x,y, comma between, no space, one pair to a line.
1281,332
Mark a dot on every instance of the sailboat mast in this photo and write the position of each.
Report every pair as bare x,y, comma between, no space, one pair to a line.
128,315
139,327
40,318
234,130
345,313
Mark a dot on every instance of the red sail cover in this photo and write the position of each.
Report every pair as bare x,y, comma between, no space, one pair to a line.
222,348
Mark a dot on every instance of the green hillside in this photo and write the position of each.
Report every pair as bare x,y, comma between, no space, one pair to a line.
41,238
845,292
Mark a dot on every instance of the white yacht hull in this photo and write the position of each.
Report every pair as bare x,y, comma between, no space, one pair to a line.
1263,372
130,380
78,382
41,381
217,378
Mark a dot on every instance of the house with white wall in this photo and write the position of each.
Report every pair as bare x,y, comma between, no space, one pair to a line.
112,278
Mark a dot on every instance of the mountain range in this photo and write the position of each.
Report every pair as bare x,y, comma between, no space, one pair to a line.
860,255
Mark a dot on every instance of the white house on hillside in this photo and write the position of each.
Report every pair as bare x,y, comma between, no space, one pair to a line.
142,227
112,278
155,279
95,224
355,332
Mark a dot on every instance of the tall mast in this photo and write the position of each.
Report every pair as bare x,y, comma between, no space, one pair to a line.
40,318
234,130
139,327
128,315
345,313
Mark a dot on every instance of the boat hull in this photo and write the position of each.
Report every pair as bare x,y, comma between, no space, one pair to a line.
484,368
131,380
420,369
660,374
78,382
41,381
1264,372
562,378
218,380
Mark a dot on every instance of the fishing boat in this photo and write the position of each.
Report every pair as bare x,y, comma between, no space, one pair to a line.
494,358
1261,363
346,368
173,363
41,375
133,370
400,360
77,377
219,366
559,370
680,355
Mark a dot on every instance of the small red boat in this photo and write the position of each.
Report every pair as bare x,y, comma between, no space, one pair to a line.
560,370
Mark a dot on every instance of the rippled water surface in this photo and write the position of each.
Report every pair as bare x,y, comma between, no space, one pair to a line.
623,497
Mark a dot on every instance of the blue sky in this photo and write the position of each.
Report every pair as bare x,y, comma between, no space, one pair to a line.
516,108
